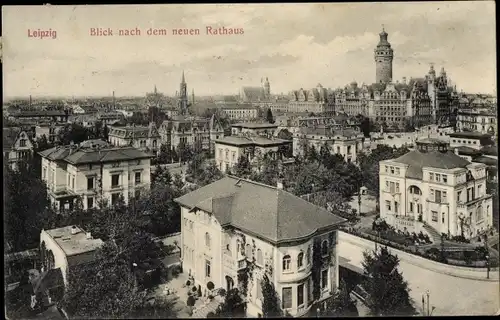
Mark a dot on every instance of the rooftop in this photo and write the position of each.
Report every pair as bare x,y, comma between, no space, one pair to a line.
74,244
417,160
252,125
251,141
471,134
264,211
97,153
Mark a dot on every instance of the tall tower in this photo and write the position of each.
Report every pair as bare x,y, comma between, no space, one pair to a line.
383,59
192,96
267,88
183,97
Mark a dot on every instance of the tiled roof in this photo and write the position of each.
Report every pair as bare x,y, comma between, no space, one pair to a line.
250,141
467,150
252,125
434,159
81,155
471,134
253,93
268,212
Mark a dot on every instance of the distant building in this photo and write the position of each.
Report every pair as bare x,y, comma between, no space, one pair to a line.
40,116
473,140
482,121
18,146
233,222
142,138
254,128
256,94
110,117
83,109
436,192
50,131
345,142
94,171
196,133
67,247
240,111
315,100
229,149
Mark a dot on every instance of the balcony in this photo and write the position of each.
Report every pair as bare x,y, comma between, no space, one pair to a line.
470,203
235,264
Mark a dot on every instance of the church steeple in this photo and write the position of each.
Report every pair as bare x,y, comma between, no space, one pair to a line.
183,79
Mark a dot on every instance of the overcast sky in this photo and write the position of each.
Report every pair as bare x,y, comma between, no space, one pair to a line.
295,45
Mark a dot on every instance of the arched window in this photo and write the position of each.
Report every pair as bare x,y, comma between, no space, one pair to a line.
308,256
300,260
248,251
260,259
324,247
287,263
207,240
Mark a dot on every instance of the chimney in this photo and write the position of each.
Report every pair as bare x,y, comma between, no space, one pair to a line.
88,235
74,230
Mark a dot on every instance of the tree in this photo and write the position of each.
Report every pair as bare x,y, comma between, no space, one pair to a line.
161,176
195,165
74,133
232,306
106,288
184,152
271,306
388,292
269,116
341,304
242,168
163,212
27,209
210,174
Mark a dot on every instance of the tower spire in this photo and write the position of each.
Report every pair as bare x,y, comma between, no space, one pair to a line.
183,79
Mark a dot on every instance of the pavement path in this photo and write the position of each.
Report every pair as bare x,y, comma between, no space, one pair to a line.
449,294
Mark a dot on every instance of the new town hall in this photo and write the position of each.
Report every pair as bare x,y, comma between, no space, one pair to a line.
389,103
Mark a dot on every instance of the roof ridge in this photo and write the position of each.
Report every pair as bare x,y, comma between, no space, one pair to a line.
251,182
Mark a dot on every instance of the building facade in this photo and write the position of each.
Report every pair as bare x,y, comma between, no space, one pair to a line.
232,223
67,247
198,134
474,140
346,143
483,121
241,111
228,150
18,146
142,138
316,100
383,59
438,190
94,171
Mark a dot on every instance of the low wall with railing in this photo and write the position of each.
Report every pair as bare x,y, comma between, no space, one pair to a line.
456,271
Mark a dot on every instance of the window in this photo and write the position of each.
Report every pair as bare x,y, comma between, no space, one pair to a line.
392,188
259,290
397,187
479,214
114,198
386,169
396,207
479,190
386,185
248,251
434,216
233,156
442,219
387,205
73,183
115,180
22,143
419,208
445,178
392,170
287,262
324,248
411,206
137,177
431,176
308,255
300,260
300,294
207,268
44,173
227,154
90,202
207,240
260,259
438,177
397,171
287,297
90,183
324,279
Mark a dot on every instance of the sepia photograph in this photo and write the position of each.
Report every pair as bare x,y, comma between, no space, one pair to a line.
250,160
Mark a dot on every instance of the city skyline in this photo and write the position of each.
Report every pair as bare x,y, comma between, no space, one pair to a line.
294,45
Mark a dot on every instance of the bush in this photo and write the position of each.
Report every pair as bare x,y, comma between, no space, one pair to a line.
194,289
188,283
210,285
190,301
211,315
222,292
210,297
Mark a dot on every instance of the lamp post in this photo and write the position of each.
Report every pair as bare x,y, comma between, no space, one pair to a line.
428,296
487,266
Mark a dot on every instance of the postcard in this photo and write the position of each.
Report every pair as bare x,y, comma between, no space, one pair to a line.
216,160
